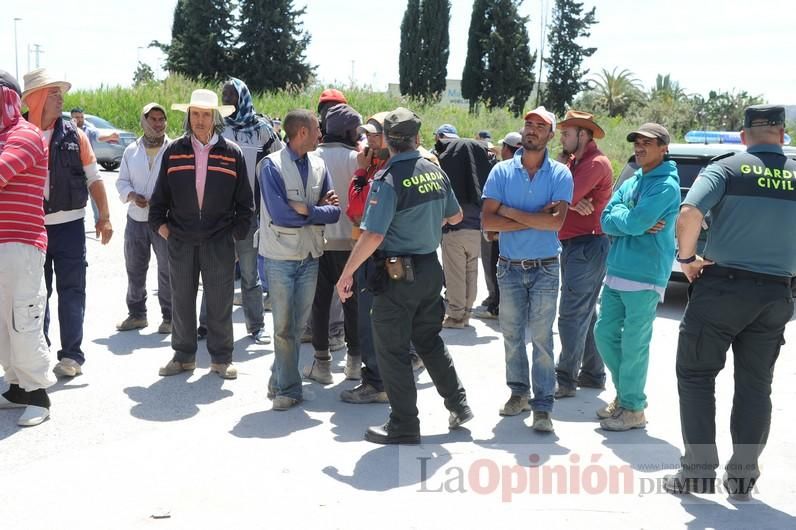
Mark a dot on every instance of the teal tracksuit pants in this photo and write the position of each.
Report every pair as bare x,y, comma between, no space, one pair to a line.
622,333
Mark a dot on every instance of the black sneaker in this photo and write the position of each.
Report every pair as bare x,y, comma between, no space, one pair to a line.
680,485
383,435
459,416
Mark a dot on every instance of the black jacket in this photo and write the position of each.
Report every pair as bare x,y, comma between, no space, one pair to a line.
227,207
467,165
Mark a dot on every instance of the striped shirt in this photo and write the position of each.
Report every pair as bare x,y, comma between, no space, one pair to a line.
23,171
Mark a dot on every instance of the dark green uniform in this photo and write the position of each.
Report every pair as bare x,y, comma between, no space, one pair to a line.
744,301
408,204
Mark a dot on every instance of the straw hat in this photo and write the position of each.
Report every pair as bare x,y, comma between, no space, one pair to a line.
204,99
584,120
41,78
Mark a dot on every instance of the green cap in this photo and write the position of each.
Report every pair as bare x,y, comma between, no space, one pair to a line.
401,123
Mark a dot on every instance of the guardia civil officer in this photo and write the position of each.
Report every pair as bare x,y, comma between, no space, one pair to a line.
741,294
409,202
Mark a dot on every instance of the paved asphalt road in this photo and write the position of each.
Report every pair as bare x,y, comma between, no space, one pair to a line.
128,449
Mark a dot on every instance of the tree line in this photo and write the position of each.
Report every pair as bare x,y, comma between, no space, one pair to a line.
264,43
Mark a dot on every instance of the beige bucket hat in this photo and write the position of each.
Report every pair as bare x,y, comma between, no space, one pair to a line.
41,78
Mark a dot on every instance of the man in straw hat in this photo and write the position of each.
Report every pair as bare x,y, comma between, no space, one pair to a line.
583,254
138,173
202,203
72,175
24,355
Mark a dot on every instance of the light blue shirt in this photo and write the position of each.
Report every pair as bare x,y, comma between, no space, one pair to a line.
510,184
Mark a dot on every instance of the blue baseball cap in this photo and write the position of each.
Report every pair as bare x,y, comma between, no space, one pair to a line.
446,130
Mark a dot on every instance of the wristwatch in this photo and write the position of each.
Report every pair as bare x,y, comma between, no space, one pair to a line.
692,259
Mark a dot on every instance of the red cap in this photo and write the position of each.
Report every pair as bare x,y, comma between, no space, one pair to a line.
332,94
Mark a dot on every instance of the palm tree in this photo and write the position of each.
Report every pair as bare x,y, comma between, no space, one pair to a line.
667,89
617,91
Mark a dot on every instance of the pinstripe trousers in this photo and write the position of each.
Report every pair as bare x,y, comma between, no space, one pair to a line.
214,259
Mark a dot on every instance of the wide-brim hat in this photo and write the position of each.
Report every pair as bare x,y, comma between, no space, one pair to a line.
204,99
41,78
584,120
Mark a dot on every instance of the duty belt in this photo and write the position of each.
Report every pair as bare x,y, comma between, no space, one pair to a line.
529,263
719,271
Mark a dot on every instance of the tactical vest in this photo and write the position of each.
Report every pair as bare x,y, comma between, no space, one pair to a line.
68,183
288,243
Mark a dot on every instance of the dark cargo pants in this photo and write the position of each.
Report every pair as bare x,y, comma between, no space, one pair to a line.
413,311
727,307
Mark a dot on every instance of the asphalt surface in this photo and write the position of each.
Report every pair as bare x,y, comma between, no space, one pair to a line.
128,449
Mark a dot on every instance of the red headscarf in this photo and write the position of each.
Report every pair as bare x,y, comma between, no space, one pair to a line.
10,108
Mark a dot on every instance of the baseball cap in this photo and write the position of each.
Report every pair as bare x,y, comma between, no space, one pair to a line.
512,139
651,130
152,106
543,114
447,130
9,81
332,95
401,123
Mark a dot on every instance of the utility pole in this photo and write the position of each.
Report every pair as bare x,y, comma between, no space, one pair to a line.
16,53
37,50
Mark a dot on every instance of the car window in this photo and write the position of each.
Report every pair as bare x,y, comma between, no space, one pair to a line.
99,122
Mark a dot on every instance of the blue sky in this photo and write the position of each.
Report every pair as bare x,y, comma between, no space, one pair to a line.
703,44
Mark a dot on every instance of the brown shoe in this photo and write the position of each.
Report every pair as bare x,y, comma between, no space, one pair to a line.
131,323
624,420
176,367
609,410
225,370
516,404
453,323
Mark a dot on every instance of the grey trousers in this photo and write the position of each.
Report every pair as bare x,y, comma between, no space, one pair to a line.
139,241
214,259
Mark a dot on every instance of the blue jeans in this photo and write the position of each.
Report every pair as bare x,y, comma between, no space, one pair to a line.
528,297
66,258
582,272
292,286
261,272
370,371
250,289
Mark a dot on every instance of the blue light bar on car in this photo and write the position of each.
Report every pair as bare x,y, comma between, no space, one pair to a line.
718,137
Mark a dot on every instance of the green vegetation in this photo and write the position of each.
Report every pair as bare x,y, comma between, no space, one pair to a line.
122,107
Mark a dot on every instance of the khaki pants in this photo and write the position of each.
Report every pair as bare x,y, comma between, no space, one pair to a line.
460,252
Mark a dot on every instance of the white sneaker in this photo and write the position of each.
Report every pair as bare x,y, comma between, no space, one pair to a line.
33,415
67,367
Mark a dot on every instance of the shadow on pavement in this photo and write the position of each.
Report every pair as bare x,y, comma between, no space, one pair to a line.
388,466
465,337
752,514
127,342
273,424
174,398
580,408
643,452
534,450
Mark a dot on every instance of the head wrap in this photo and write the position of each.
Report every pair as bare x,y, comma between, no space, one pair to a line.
11,104
246,124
